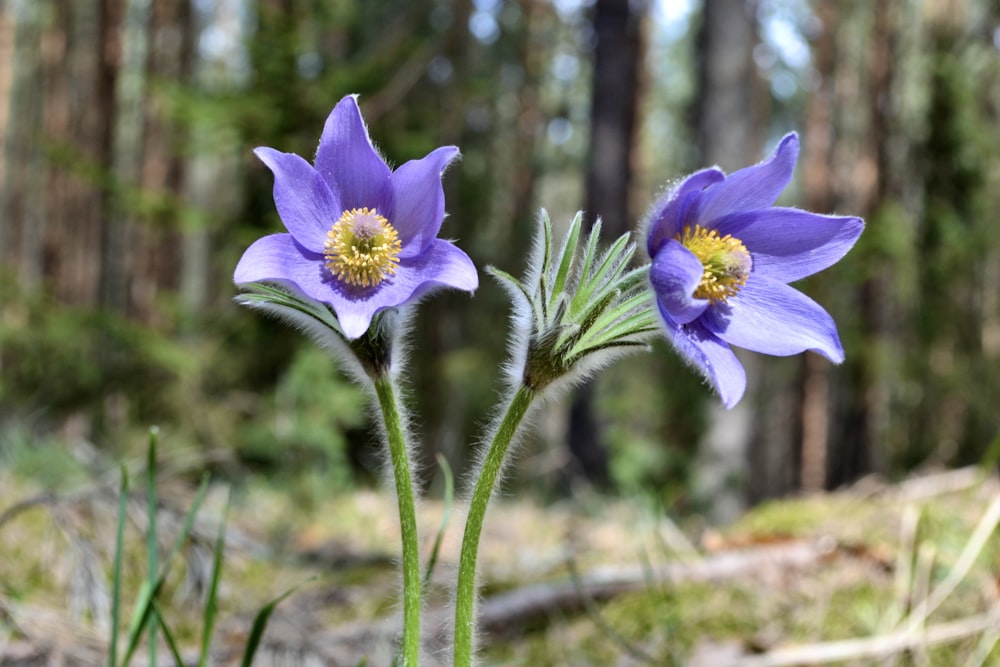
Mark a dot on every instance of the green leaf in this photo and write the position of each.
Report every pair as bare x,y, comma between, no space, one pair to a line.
591,251
597,309
568,254
635,326
606,346
618,323
256,295
583,330
636,278
519,286
546,242
616,257
612,262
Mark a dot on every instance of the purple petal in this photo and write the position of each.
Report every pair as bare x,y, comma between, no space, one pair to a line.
305,202
348,161
419,199
675,274
278,258
751,188
713,357
770,317
788,244
441,265
669,215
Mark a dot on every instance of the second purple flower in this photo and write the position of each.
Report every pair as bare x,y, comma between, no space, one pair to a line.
722,257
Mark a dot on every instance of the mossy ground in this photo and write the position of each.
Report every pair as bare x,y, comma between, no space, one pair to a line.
55,558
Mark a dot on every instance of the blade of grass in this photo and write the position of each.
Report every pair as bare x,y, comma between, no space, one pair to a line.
973,548
167,635
211,602
149,591
260,623
152,544
598,619
449,493
116,575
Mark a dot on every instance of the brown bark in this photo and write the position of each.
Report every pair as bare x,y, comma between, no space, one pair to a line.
818,186
858,453
21,200
614,102
519,197
8,30
112,244
79,125
727,129
158,238
725,123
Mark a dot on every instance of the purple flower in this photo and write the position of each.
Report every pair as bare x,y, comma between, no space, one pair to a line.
361,237
722,257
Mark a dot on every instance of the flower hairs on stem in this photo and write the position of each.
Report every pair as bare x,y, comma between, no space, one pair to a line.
577,309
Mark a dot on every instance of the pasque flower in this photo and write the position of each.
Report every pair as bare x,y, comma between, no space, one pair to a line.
361,237
722,257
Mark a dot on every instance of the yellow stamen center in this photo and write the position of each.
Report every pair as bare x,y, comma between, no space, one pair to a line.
362,248
725,260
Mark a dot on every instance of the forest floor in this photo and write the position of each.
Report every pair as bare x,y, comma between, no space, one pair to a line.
877,574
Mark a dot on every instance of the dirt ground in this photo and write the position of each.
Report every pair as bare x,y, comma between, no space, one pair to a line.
863,576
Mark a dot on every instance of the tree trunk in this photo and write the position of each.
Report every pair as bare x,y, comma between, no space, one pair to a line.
79,121
113,293
8,58
158,237
867,416
818,181
22,213
726,127
614,101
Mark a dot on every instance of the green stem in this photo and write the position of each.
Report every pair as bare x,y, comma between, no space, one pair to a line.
407,519
465,594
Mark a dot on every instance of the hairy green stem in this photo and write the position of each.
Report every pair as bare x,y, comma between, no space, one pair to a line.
407,518
465,594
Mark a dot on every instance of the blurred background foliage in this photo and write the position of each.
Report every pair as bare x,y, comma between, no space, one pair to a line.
129,191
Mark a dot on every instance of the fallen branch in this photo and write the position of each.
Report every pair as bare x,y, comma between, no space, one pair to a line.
925,487
516,606
872,647
514,609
